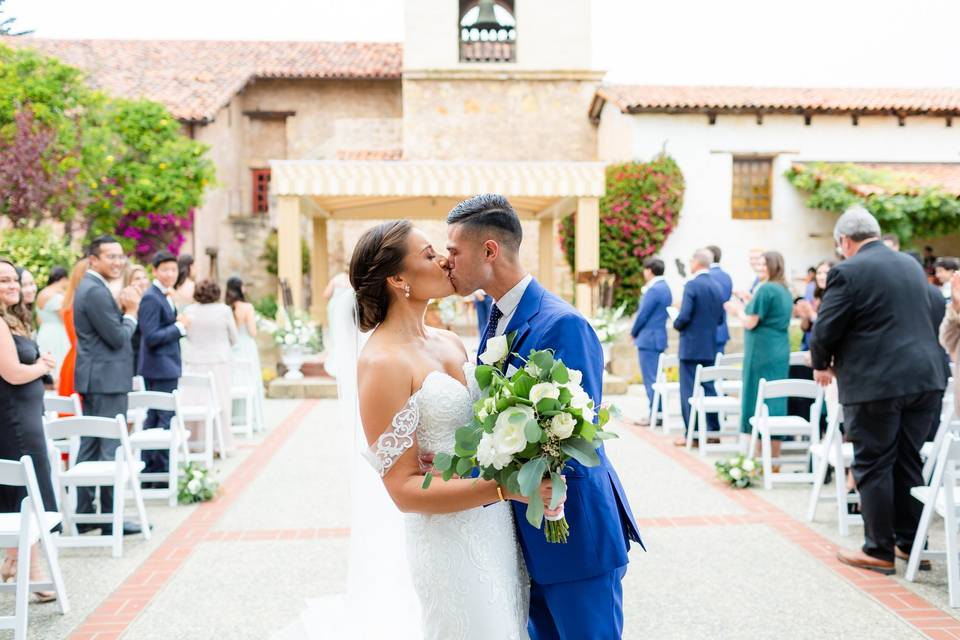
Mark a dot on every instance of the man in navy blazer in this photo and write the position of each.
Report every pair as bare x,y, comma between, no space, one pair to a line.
575,589
649,330
160,333
700,314
725,282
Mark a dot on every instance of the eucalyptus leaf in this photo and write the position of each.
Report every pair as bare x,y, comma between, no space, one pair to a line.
603,416
535,510
558,489
581,451
426,481
559,373
543,359
448,474
588,431
523,383
531,473
565,396
547,404
483,374
512,484
464,465
532,431
442,461
605,435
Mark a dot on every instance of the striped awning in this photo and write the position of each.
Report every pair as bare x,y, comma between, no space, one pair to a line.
429,178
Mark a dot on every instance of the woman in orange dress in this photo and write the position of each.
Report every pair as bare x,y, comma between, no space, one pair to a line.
70,361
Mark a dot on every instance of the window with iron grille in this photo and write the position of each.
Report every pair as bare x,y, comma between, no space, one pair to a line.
261,190
751,188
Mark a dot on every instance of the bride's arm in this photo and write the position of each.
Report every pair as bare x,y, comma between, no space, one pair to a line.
384,391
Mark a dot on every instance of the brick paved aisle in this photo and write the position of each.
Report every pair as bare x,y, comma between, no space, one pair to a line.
720,563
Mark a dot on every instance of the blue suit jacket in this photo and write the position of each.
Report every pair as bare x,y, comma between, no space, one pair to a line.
650,328
159,337
601,523
725,282
700,313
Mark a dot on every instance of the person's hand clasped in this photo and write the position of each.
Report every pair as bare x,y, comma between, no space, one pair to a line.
733,306
546,490
48,361
823,377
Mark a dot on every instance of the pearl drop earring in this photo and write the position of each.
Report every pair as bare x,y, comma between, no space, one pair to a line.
406,290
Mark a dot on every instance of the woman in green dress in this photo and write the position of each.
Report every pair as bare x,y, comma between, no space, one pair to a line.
766,354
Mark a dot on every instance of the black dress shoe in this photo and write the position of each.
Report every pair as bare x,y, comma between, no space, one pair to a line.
129,529
86,528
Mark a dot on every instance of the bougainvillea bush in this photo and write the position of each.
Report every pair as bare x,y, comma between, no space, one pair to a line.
639,211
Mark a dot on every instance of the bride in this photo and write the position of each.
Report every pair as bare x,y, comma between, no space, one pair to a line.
415,389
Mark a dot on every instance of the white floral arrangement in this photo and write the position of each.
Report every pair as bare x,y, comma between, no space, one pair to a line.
738,471
196,485
525,428
609,324
294,328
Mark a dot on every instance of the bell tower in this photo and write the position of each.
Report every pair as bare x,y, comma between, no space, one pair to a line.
498,80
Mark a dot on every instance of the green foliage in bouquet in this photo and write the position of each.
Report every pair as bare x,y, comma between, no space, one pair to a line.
526,428
739,471
196,485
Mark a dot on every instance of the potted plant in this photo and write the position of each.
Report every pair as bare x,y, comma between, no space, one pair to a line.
297,336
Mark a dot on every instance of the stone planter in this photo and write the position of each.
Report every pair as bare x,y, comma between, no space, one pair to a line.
292,358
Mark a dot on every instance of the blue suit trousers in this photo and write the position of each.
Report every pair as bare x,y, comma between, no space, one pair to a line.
648,369
591,608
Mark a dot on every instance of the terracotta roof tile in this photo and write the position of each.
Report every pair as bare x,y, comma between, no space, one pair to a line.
706,99
195,78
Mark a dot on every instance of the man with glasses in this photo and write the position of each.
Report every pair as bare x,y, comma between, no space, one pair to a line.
104,368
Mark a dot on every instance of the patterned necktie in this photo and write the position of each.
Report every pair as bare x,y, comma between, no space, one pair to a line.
495,315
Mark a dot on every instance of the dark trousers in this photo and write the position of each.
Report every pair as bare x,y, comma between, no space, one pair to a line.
887,436
688,371
649,360
106,405
721,346
157,461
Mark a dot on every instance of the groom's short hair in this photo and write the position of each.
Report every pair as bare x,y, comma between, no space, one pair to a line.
491,213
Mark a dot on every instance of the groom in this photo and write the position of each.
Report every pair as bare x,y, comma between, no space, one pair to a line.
575,589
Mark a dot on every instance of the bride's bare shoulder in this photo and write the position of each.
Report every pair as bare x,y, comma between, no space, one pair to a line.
450,338
382,360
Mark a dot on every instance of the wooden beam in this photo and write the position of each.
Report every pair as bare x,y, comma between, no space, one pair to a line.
559,209
289,261
319,271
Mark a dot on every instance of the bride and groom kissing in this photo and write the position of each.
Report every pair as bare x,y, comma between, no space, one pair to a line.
465,537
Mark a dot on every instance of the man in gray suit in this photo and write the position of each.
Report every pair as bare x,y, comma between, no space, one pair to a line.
104,368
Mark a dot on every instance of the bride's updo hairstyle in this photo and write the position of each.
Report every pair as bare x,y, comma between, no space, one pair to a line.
378,255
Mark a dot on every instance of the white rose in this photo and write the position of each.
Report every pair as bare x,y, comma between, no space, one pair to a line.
562,425
508,437
497,350
193,486
544,390
532,369
576,377
487,454
580,400
735,473
588,414
748,465
289,339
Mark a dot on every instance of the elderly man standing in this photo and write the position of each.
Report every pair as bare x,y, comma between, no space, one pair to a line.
890,376
700,314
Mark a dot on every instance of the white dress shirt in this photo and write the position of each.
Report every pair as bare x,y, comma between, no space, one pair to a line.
509,302
654,280
107,285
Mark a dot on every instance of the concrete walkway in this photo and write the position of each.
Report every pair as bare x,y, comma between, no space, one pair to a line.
719,563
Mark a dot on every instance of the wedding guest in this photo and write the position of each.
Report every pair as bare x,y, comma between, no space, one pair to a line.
950,336
246,348
136,276
890,375
725,283
766,353
185,284
159,346
700,313
810,284
805,309
28,292
211,334
649,329
22,368
52,334
65,386
104,367
943,269
929,260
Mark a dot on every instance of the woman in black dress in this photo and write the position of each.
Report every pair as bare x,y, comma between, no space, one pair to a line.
22,369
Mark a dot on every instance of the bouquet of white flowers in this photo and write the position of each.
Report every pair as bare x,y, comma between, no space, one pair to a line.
738,471
196,485
296,329
608,323
525,428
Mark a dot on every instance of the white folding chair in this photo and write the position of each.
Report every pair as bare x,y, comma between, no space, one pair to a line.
120,473
799,358
727,409
138,384
244,394
53,406
833,452
203,387
949,423
664,392
21,531
729,387
940,497
765,427
172,440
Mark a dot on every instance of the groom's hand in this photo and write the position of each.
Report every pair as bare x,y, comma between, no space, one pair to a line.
546,492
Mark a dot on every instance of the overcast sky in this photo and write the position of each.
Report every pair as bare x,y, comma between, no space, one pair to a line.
892,43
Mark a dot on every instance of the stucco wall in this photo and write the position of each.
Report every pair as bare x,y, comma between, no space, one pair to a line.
705,155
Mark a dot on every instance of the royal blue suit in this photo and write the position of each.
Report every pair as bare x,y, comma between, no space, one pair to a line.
159,362
649,332
725,282
575,587
700,314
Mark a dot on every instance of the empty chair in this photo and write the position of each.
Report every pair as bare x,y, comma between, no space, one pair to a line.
21,530
833,452
200,403
949,423
244,394
54,405
726,407
172,440
940,497
799,358
729,387
119,473
765,427
664,392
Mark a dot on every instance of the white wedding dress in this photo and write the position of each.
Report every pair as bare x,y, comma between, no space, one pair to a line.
466,567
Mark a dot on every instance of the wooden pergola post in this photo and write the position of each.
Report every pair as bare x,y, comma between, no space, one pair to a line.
588,248
319,271
548,242
288,246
